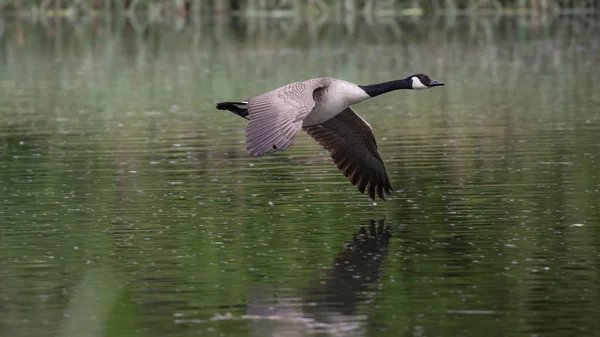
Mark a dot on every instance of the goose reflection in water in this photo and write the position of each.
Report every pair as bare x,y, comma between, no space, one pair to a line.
330,306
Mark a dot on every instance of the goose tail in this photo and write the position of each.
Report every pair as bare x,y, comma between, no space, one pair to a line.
238,108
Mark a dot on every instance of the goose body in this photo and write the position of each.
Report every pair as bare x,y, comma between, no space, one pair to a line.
322,108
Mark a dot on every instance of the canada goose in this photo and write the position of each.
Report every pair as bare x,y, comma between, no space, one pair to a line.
321,107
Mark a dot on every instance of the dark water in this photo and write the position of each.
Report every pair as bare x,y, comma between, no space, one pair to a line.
130,208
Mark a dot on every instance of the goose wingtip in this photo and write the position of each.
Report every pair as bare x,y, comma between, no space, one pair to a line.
382,192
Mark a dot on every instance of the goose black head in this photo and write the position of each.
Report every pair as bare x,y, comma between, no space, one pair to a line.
422,81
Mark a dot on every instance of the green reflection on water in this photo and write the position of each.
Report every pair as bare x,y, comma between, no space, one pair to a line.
130,207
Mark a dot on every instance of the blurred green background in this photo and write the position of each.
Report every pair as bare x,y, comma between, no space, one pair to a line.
278,8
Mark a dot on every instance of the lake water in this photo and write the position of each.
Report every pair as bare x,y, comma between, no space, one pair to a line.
129,206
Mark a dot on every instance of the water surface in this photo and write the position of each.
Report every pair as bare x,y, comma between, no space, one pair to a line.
130,207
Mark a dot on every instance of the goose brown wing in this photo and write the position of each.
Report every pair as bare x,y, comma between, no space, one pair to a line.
276,116
353,148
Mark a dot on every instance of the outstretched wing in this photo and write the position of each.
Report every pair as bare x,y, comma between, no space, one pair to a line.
276,116
353,148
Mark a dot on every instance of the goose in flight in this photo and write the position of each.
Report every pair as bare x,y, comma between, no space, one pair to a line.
322,108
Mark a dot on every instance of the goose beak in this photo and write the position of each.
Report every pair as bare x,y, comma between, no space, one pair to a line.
435,83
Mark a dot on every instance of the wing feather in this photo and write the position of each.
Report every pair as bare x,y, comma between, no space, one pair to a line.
353,148
276,116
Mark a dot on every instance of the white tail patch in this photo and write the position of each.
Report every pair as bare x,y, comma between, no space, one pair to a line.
417,84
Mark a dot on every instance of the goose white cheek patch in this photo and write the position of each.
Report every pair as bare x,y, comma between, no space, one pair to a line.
417,84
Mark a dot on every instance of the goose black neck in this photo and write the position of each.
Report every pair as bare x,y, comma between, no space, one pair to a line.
381,88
